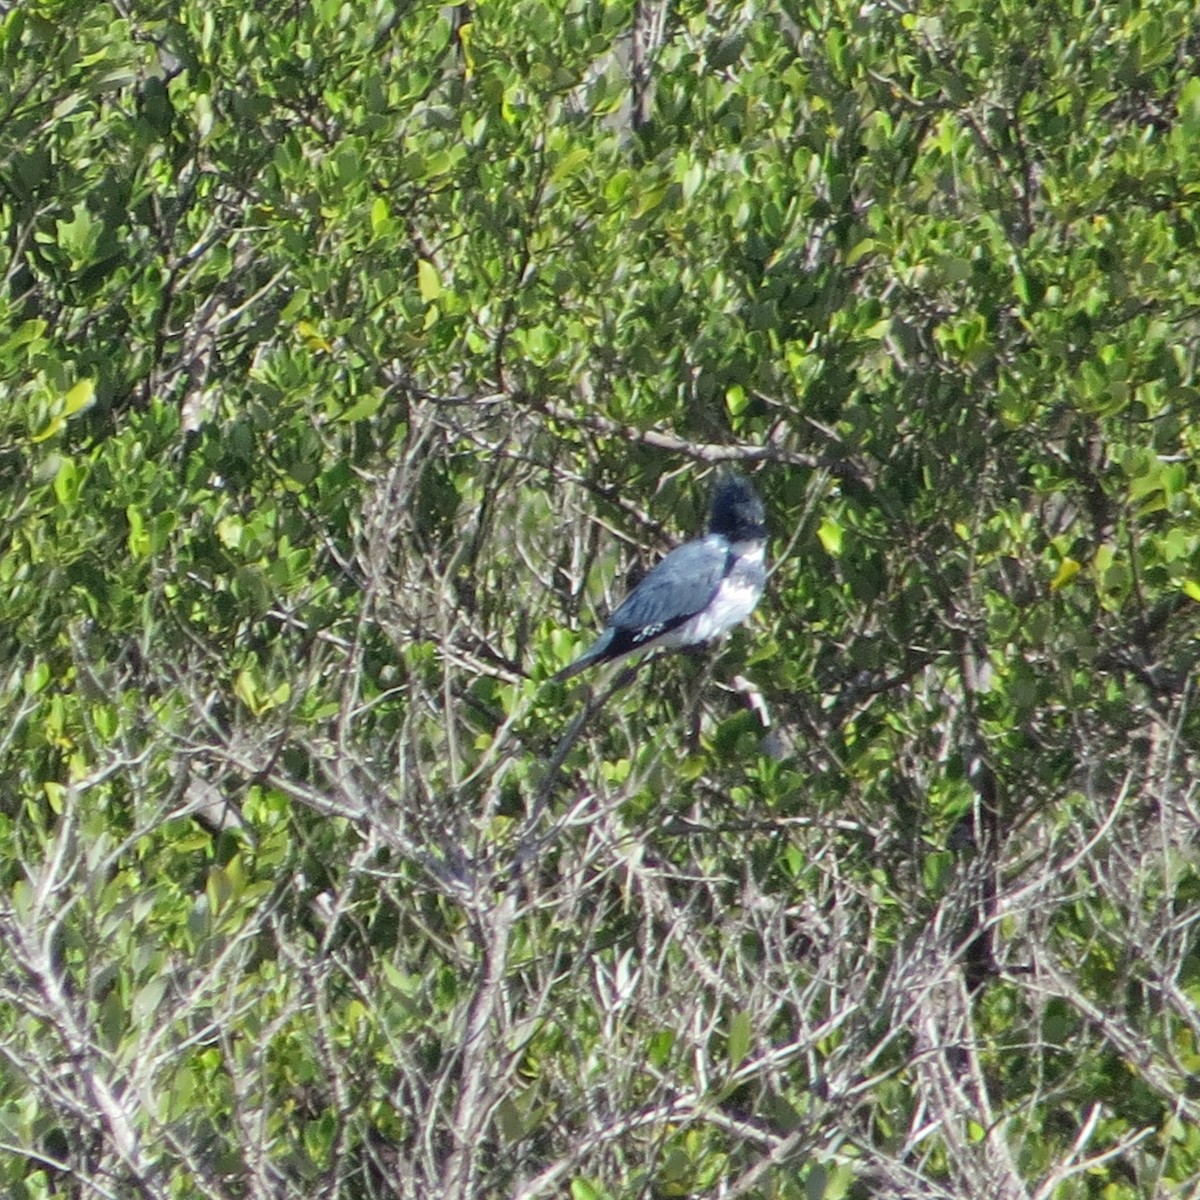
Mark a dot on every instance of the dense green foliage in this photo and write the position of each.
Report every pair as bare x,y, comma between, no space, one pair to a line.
354,355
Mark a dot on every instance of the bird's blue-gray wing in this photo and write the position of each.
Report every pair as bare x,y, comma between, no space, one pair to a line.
676,589
673,592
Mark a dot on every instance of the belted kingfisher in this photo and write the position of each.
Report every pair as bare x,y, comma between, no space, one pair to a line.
699,591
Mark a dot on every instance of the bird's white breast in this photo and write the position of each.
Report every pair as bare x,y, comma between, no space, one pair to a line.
736,598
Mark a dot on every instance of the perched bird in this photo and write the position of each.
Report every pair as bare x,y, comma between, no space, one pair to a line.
700,590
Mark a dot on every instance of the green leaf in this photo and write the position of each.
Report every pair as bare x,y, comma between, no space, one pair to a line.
659,1046
79,236
147,1001
830,534
81,396
68,480
860,250
1067,570
1189,108
36,678
815,1182
248,689
428,281
56,796
139,540
936,868
570,163
510,1120
28,333
740,1030
55,425
364,409
112,1019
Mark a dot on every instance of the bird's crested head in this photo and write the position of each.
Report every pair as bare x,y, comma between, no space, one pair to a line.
737,512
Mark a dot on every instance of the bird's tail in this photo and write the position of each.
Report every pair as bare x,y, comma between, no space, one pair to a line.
571,669
598,651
